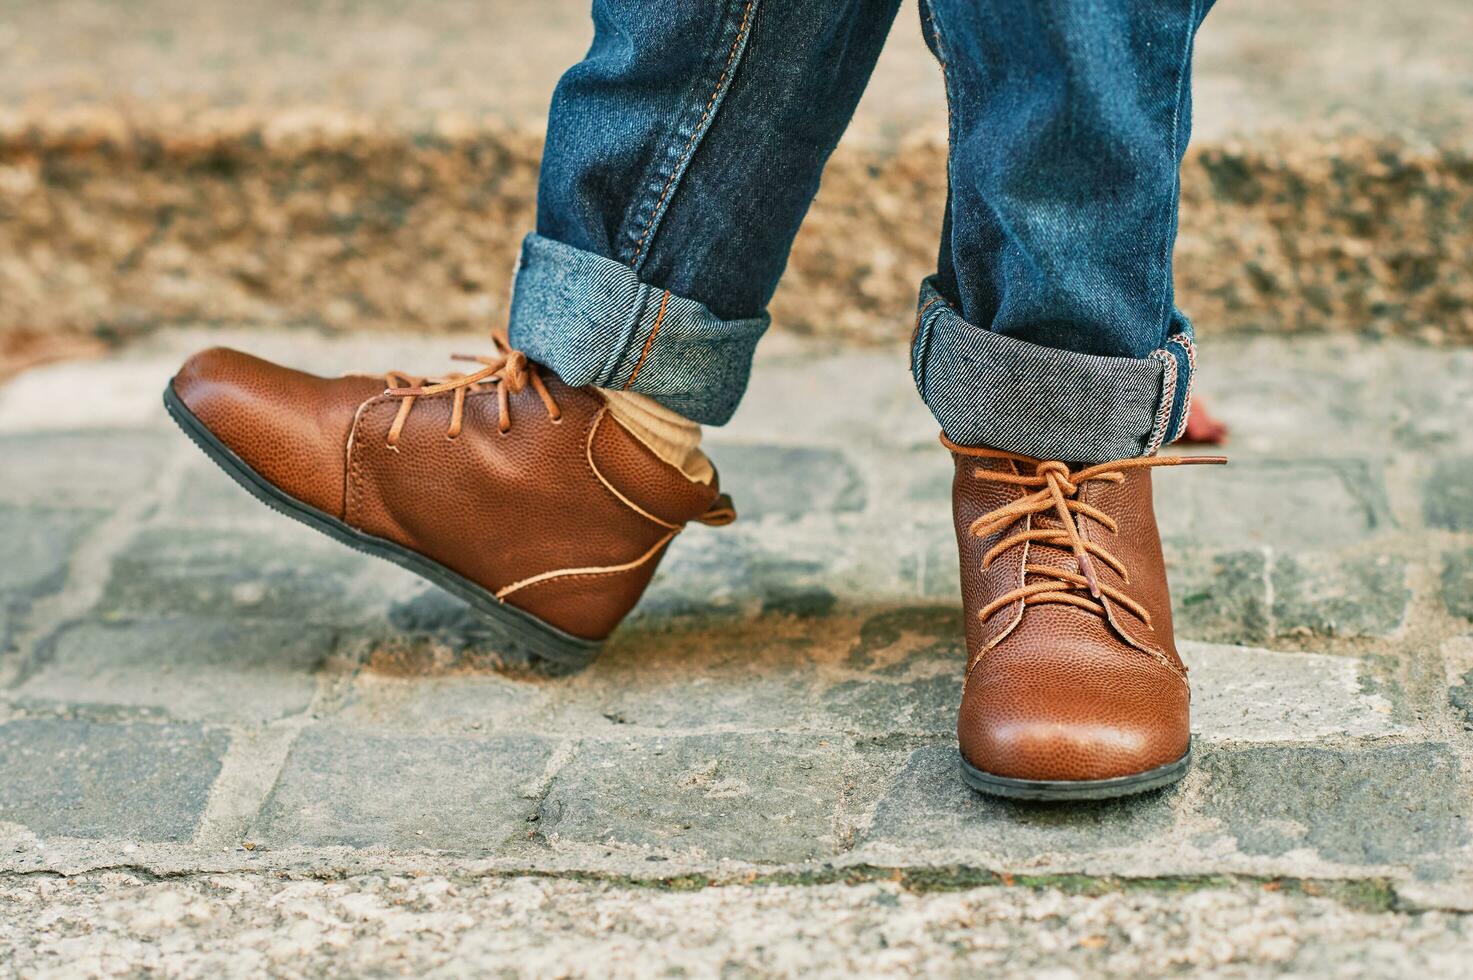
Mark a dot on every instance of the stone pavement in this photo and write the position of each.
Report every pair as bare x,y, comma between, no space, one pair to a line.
229,745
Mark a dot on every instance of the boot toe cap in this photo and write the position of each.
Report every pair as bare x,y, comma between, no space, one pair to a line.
289,427
1056,718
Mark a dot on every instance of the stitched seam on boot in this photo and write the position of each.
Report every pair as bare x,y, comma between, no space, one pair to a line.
587,572
1117,623
588,452
351,472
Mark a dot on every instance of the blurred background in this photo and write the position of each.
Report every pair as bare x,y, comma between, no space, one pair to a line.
371,164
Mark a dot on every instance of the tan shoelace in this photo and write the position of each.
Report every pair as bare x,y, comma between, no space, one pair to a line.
509,370
1056,493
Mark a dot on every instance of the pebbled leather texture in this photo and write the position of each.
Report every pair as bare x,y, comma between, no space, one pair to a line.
1053,691
566,519
289,426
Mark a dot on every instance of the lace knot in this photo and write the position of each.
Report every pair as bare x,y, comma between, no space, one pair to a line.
509,370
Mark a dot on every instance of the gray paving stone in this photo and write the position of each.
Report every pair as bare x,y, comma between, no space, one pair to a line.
192,669
798,569
342,786
413,628
940,575
927,806
39,542
926,474
205,494
787,481
288,574
891,642
723,683
1447,495
1340,595
89,470
1457,582
926,704
766,797
1435,415
1221,598
73,778
462,702
1244,694
908,665
1460,696
901,674
1283,503
1377,805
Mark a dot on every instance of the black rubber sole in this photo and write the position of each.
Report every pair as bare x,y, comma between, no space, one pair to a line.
514,630
1063,790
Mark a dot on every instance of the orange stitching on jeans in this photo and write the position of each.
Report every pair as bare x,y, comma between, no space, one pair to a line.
650,340
691,143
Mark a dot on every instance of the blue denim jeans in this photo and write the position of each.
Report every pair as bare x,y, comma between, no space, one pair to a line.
684,149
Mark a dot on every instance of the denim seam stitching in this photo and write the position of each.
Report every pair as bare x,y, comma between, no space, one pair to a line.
946,83
1168,399
620,353
1181,88
650,340
657,212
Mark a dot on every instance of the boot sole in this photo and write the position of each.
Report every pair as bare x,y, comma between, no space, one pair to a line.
515,630
1065,790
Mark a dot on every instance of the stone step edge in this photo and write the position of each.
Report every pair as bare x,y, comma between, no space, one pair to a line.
114,221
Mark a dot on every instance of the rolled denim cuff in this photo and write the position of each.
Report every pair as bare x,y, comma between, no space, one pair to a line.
990,390
592,321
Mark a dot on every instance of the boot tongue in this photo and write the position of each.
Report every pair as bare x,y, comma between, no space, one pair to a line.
1059,556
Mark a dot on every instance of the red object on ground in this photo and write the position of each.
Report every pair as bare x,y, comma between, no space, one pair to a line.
1202,428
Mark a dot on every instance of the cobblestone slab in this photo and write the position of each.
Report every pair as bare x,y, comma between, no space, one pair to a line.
76,469
1457,583
1448,501
764,798
1283,503
288,575
788,481
340,787
62,777
1382,805
190,669
1344,594
39,543
38,547
1243,694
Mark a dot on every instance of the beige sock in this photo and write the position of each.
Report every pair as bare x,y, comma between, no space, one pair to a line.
668,434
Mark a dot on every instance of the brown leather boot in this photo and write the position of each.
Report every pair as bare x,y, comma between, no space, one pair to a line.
519,494
1074,689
